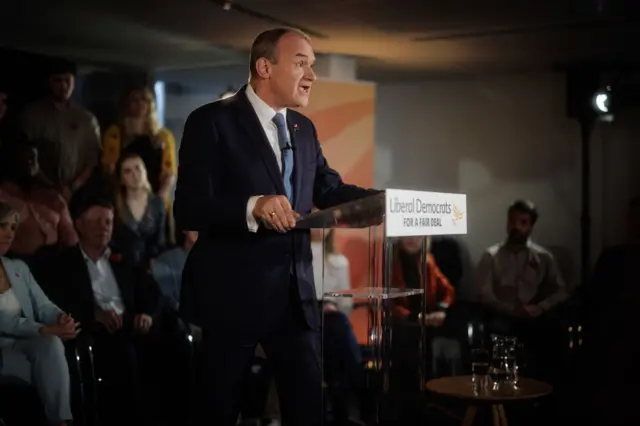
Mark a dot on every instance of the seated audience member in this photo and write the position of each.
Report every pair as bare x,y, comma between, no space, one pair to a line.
342,355
330,271
142,358
68,134
407,272
139,231
45,219
447,254
519,282
139,132
610,285
31,329
611,311
167,269
114,301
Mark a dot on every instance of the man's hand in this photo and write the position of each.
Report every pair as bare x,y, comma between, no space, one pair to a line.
434,319
276,212
142,323
66,331
109,319
532,311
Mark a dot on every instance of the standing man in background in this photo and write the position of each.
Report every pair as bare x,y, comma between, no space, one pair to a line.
67,135
248,167
520,284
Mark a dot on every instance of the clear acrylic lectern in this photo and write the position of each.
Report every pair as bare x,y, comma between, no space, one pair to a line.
394,229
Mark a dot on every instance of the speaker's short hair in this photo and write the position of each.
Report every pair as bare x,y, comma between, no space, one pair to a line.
62,66
264,46
525,206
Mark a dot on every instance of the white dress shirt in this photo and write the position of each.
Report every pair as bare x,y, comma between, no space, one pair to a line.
265,115
508,278
105,287
331,274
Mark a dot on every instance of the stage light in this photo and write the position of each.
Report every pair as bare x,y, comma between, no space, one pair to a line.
601,100
601,103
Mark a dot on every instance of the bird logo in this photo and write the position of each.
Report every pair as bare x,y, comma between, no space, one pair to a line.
457,215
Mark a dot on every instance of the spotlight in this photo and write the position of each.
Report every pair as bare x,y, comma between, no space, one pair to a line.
602,104
602,100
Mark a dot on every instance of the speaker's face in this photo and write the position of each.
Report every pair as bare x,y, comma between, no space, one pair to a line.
519,226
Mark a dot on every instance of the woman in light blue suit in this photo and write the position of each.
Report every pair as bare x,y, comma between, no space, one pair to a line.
32,329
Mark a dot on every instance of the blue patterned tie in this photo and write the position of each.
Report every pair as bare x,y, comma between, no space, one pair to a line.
287,155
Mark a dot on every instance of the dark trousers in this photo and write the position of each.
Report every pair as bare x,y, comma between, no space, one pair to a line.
118,376
342,359
143,379
341,352
168,372
293,352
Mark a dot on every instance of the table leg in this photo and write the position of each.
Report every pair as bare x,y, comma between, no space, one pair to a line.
503,416
498,415
469,415
495,416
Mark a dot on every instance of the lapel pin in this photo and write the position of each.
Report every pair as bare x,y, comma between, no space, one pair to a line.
295,127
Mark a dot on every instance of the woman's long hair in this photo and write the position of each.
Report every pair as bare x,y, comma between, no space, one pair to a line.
151,123
120,192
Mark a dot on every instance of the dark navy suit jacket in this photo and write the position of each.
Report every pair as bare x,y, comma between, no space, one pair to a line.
236,280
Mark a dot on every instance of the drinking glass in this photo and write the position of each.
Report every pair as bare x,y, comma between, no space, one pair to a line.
480,367
502,365
521,363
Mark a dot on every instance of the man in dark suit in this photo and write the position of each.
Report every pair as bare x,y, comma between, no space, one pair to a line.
249,166
114,302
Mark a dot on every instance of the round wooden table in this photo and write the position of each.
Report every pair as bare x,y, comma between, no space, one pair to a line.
461,387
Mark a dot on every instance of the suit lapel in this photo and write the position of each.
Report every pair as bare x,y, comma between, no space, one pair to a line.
86,287
249,122
297,161
20,290
123,280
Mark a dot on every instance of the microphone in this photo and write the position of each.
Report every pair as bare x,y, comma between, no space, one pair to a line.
288,147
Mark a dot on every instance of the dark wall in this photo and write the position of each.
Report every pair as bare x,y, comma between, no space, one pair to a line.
24,77
101,92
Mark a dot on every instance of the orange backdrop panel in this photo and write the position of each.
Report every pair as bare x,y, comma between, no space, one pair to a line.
344,113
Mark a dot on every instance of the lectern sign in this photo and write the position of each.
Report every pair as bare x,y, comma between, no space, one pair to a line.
418,213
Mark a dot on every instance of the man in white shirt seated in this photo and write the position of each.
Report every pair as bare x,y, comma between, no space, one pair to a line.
136,360
520,283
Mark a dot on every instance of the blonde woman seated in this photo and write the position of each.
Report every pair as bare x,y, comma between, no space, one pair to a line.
31,329
139,132
139,231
